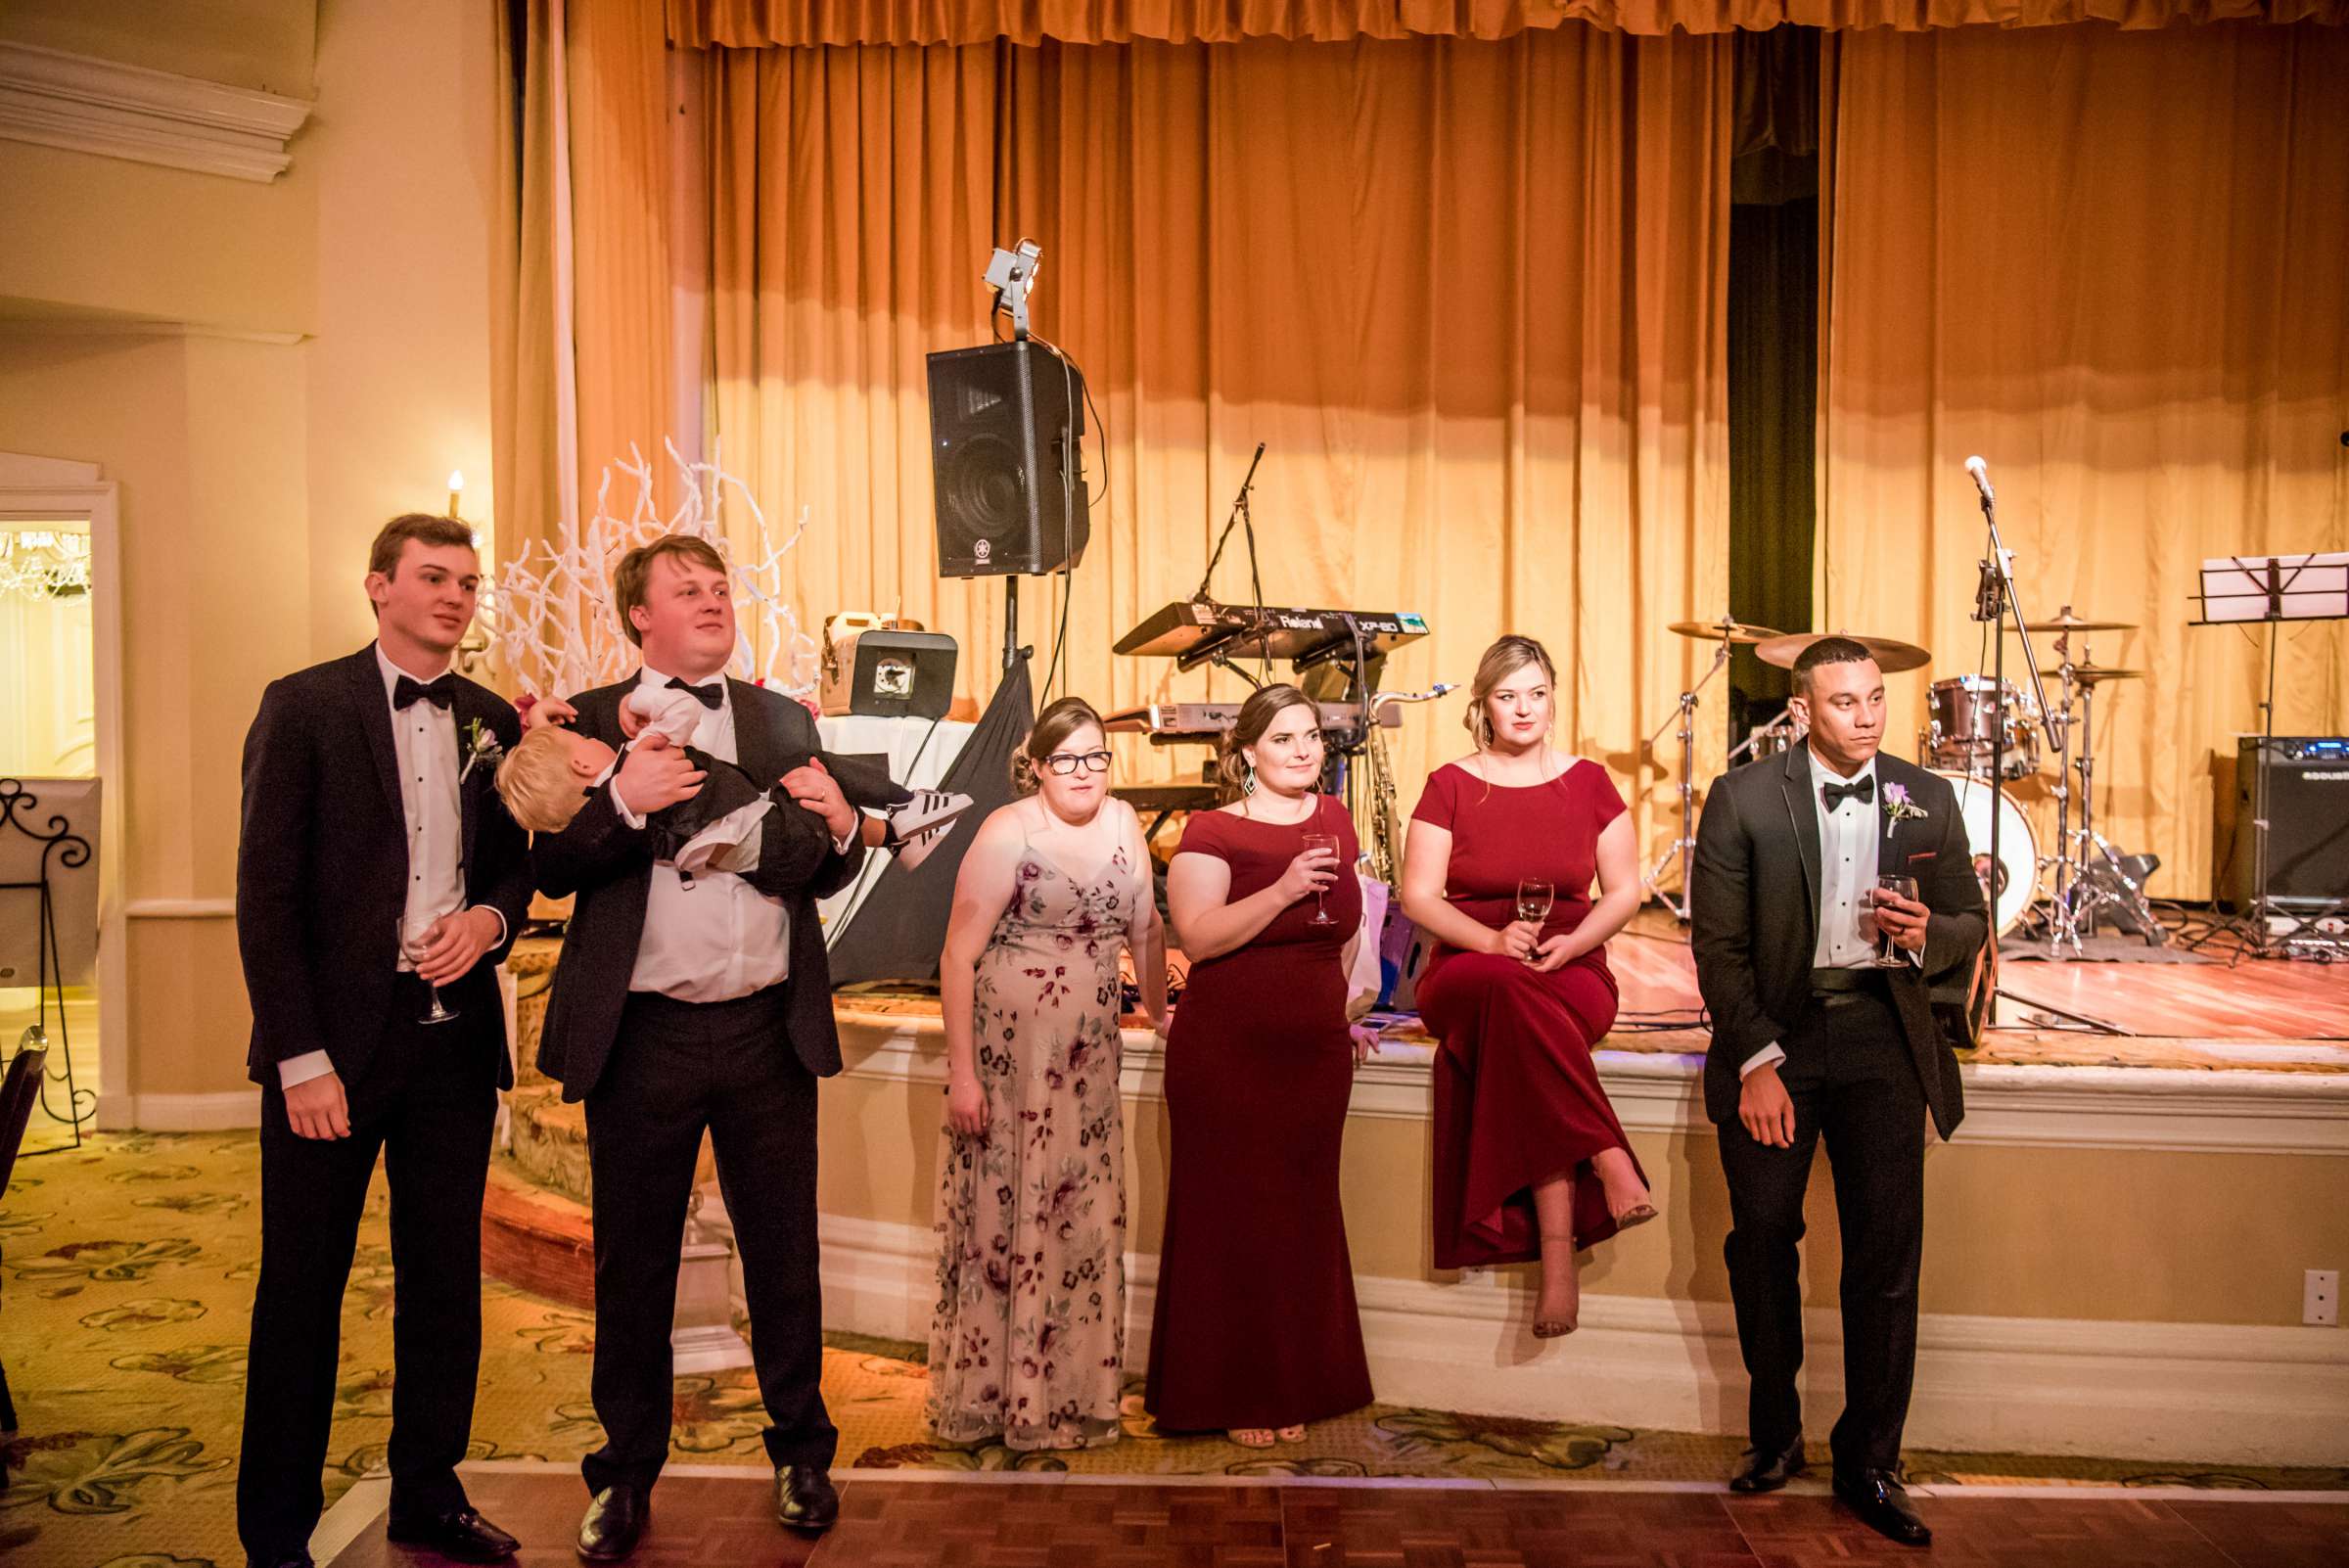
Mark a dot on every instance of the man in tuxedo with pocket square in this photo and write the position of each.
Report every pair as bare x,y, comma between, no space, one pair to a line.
1814,1038
690,1006
376,871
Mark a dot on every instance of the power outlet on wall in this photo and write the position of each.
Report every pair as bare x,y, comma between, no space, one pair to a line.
2320,1297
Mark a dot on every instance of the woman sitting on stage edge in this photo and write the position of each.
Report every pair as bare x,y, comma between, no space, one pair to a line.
1028,1343
1256,1329
1529,1161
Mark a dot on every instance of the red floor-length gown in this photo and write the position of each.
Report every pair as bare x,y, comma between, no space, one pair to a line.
1255,1323
1517,1098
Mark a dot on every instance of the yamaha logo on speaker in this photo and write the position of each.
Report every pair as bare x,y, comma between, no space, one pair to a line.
982,549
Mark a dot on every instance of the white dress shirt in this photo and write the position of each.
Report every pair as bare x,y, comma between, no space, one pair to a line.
424,749
1847,873
718,937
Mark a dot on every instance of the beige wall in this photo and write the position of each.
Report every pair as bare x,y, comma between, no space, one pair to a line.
315,359
264,44
2093,1234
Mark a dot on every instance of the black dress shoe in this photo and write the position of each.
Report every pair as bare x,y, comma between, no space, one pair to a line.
805,1498
1882,1503
615,1522
460,1532
1767,1472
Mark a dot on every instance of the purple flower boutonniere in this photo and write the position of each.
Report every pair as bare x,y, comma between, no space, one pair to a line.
1898,806
481,747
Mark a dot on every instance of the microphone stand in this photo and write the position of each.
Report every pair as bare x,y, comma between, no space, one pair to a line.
1242,516
1994,599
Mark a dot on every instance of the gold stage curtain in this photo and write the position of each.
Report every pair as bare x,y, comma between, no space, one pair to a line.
582,324
1468,293
756,24
527,321
621,190
2112,265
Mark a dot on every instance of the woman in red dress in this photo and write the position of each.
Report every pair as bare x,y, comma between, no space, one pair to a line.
1529,1161
1255,1330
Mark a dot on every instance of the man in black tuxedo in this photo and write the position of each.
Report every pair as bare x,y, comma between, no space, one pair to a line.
1812,1039
374,867
683,1007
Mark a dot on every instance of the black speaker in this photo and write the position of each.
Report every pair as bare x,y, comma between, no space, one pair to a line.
1006,452
2299,785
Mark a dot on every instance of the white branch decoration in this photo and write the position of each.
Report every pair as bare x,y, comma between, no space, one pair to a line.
549,610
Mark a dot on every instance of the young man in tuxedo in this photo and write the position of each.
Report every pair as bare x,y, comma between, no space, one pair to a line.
683,1007
1812,1039
361,818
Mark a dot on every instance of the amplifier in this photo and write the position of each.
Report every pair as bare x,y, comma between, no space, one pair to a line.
886,670
2300,786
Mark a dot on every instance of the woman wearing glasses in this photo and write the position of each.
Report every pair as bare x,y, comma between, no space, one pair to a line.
1255,1330
1028,1342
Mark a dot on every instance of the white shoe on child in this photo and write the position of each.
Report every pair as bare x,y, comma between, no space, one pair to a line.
911,830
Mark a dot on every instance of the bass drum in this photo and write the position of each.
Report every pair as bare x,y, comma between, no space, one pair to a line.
2016,884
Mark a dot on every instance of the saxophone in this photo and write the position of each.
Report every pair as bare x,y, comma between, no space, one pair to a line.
1385,852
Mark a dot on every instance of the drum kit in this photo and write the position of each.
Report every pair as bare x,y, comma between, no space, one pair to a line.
1974,724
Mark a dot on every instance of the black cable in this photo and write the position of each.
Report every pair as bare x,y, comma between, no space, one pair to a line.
1072,459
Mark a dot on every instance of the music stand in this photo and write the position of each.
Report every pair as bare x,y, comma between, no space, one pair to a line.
2238,589
55,847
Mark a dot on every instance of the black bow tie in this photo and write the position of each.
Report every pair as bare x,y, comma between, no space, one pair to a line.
440,692
1863,790
711,696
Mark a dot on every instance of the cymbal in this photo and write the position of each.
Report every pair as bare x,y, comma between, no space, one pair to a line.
2069,621
1722,630
1891,657
2089,674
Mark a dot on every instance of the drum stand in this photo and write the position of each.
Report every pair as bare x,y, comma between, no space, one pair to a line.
2078,897
1686,845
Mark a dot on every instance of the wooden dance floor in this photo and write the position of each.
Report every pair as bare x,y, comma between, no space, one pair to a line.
887,1520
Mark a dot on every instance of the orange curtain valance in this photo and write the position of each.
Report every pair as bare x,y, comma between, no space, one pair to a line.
760,23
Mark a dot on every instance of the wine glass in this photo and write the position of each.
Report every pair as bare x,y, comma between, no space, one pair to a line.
1535,896
416,933
1889,957
1313,842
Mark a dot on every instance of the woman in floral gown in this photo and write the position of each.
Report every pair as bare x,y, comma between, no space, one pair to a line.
1028,1339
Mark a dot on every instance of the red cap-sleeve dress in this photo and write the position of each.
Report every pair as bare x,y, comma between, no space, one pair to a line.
1517,1098
1255,1325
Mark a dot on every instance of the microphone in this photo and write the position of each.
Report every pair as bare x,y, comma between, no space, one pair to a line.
1981,473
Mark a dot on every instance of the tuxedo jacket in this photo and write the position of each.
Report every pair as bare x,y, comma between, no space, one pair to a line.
1754,914
609,865
322,865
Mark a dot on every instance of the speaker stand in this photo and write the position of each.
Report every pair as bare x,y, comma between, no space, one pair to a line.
1011,620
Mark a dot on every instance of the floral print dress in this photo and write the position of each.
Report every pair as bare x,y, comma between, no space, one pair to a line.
1029,1338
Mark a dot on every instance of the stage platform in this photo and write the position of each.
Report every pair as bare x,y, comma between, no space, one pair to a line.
2118,1232
707,1515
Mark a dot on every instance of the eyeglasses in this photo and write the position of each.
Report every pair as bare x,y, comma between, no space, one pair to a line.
1066,763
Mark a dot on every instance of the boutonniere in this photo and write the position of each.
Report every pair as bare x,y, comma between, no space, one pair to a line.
1899,808
481,746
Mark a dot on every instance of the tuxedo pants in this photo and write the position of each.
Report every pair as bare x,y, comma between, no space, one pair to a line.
1849,1071
677,1070
428,1103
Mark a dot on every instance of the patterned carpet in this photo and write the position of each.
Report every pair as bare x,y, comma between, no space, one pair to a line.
129,1280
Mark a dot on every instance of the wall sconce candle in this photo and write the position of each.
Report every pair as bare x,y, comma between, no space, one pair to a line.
456,490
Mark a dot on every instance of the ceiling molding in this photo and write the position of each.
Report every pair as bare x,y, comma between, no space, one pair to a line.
87,105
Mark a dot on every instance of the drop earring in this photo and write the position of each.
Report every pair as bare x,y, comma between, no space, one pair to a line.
1248,784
